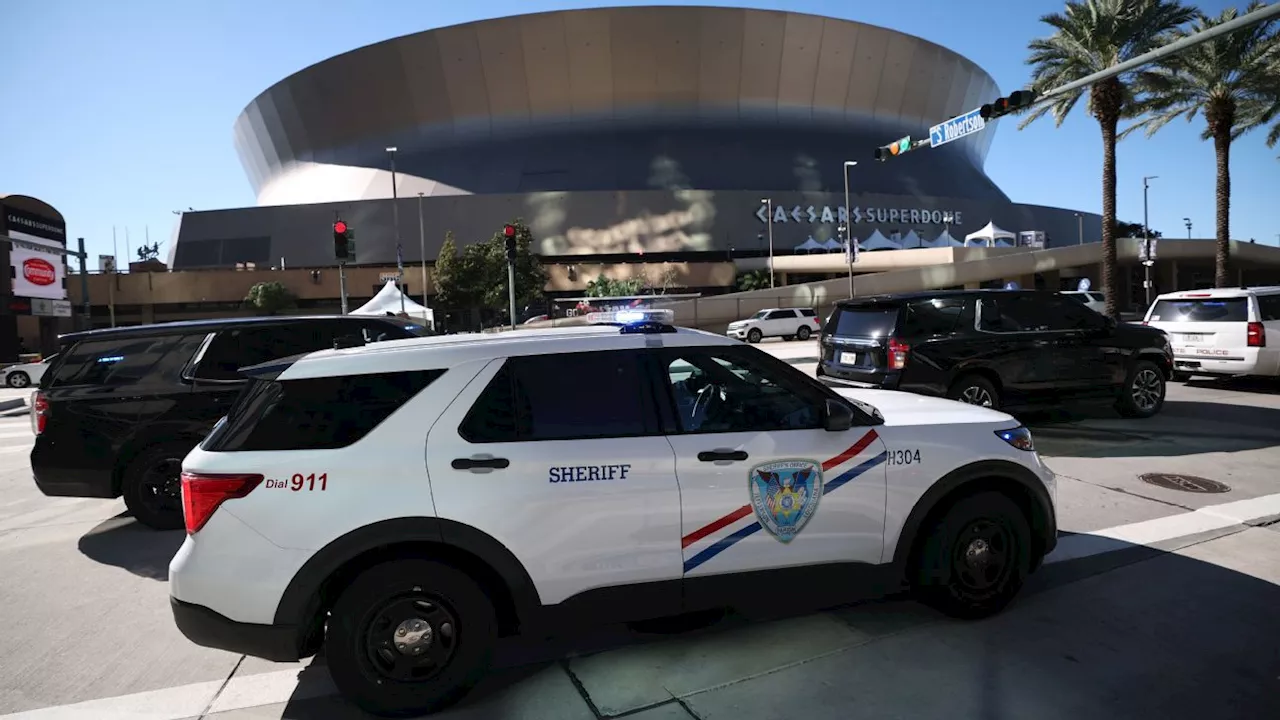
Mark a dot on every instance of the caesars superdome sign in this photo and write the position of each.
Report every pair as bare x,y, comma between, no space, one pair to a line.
37,264
823,214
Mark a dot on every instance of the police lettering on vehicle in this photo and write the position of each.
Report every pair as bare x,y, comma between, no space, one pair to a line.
587,473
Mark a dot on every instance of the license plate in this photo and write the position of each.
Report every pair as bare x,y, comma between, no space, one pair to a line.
848,358
1194,338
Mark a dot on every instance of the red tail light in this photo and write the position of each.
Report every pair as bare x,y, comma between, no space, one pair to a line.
898,351
816,323
39,412
1256,335
202,494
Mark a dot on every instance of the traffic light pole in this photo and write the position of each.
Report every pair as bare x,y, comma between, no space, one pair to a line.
511,290
342,284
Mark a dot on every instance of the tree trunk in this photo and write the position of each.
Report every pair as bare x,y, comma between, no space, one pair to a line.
1222,148
1108,123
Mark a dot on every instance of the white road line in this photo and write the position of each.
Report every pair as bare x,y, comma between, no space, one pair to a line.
249,691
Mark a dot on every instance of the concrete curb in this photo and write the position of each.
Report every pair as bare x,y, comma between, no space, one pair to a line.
13,404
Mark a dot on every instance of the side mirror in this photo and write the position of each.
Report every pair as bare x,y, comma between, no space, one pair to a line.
837,417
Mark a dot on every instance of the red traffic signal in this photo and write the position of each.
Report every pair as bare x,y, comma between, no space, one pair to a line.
1017,100
340,227
509,230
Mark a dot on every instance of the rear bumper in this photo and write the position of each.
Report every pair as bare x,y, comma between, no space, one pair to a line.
207,628
886,379
54,479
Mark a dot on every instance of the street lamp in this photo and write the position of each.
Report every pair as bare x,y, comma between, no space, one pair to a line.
395,221
769,204
851,250
1080,227
422,244
1188,223
1148,261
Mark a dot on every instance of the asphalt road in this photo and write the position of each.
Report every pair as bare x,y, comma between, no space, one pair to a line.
1160,603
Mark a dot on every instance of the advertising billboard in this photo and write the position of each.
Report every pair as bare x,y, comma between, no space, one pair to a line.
37,265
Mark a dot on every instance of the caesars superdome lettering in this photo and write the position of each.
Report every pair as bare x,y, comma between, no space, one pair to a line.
811,214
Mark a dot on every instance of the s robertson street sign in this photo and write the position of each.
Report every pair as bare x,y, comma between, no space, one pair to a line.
825,215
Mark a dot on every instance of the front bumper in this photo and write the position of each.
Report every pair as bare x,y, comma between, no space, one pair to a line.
739,333
207,628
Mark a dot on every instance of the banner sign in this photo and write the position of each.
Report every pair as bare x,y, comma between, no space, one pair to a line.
1031,239
825,214
37,274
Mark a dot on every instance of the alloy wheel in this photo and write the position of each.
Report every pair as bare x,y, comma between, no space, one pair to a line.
1145,392
975,395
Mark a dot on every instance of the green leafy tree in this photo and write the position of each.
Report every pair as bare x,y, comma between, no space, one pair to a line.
1228,81
608,287
1133,230
269,298
478,276
455,287
752,280
1090,36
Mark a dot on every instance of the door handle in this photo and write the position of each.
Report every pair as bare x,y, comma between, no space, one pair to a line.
720,455
480,463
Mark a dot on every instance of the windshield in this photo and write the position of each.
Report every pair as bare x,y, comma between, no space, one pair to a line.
1207,310
759,316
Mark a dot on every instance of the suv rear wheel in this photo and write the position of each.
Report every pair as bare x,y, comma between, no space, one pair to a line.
18,379
803,333
975,390
152,487
975,558
410,637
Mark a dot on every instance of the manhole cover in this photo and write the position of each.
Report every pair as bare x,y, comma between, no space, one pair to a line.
1185,483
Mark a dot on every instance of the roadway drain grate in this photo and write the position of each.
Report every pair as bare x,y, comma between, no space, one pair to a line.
1185,483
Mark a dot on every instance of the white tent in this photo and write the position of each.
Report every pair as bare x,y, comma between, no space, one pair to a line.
945,240
833,244
810,244
912,240
878,242
388,301
987,236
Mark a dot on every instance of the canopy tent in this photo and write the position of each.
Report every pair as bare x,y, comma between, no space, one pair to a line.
810,245
388,301
878,242
833,244
945,240
912,240
988,236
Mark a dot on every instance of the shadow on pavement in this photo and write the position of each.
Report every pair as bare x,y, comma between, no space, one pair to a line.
1182,428
1258,385
122,542
1133,633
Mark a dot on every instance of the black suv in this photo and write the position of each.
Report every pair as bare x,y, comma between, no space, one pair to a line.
119,409
997,348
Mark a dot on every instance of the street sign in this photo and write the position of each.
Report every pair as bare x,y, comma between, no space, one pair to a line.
956,128
1147,254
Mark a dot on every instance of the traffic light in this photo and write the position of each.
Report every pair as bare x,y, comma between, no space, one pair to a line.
897,147
509,235
341,240
1017,100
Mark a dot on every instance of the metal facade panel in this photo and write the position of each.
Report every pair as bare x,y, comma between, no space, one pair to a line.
502,55
761,63
720,34
633,37
590,63
464,78
428,91
546,64
940,87
801,47
893,79
924,61
835,63
292,126
868,66
676,60
276,140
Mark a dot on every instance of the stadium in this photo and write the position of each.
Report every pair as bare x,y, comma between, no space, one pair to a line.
617,134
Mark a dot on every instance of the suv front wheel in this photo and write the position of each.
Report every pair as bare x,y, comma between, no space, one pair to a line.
1143,393
410,637
152,487
975,390
975,557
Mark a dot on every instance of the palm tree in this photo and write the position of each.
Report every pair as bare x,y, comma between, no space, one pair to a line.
1090,36
1226,80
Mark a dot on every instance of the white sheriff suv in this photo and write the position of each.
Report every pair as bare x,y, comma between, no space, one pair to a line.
404,504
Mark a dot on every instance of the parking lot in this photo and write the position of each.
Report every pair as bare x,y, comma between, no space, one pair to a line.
1160,602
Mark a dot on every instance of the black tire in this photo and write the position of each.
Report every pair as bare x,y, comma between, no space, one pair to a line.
975,390
381,678
962,578
1143,393
803,333
152,487
754,335
18,380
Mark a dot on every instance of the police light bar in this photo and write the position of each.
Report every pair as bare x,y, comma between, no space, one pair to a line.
626,317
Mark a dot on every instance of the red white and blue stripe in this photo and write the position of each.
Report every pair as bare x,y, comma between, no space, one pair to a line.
846,467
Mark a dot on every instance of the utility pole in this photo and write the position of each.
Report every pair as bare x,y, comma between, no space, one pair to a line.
342,284
769,203
111,284
1080,227
395,221
509,238
1148,259
84,284
850,249
422,243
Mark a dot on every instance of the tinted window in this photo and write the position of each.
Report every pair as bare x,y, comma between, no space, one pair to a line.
1269,307
782,314
562,397
1207,310
314,413
114,361
864,321
935,317
1062,314
735,391
808,312
235,348
1030,313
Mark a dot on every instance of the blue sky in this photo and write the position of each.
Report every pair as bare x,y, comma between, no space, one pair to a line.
119,113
